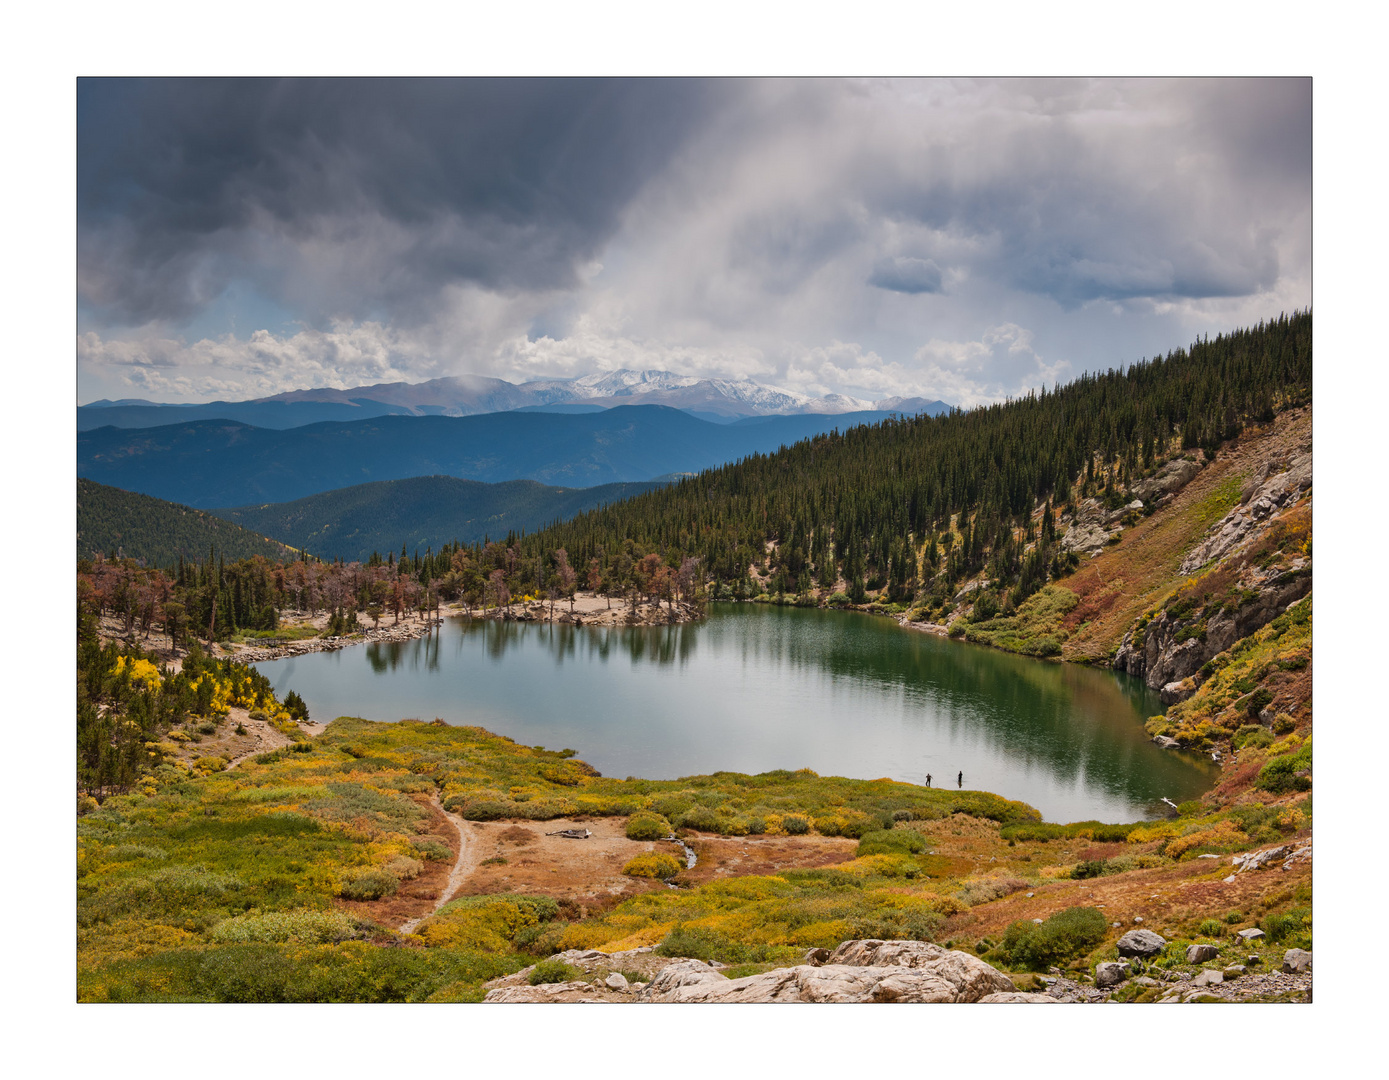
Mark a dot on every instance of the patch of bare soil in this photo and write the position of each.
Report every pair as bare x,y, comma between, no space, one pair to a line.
737,856
1164,898
589,872
520,857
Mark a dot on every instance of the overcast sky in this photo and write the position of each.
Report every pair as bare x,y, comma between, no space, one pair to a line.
955,240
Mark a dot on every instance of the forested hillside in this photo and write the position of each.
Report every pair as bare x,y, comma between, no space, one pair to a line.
421,512
916,506
112,521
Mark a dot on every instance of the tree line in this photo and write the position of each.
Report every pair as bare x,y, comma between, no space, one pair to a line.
913,506
906,509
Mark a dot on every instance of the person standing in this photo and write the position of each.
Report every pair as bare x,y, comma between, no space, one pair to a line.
960,780
928,779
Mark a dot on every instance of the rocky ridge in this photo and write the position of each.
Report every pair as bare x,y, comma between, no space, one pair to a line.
1169,649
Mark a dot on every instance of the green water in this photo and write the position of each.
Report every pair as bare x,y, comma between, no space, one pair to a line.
754,688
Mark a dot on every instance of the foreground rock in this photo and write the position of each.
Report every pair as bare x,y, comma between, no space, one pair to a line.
856,972
1141,943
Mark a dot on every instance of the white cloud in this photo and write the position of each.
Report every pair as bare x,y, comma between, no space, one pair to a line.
171,369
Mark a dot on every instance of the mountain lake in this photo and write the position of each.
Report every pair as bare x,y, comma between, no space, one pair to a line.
754,688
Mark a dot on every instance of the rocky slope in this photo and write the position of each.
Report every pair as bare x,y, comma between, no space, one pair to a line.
1249,569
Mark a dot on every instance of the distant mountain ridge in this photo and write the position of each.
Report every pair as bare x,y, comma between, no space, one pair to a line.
220,463
472,395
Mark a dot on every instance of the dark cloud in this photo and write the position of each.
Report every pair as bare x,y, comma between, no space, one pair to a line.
906,275
379,192
1168,189
745,227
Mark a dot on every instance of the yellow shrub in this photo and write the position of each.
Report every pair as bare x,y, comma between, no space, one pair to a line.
142,672
821,935
1163,830
647,935
583,936
1223,834
653,865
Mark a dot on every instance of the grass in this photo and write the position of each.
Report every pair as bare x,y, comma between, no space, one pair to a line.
1038,628
232,887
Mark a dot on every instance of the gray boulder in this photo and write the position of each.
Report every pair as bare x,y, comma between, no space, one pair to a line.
1209,977
1252,934
1172,477
1141,943
616,981
1084,538
1297,962
1111,974
1199,954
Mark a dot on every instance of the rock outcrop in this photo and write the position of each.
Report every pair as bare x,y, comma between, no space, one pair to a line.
1261,498
856,972
1141,943
1168,480
1171,649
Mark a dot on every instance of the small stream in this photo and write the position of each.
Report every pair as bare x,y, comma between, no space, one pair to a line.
690,857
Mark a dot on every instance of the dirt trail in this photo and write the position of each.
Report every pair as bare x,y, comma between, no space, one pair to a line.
267,738
469,853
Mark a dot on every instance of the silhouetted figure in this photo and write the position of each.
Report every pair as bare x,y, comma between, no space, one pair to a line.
960,780
928,779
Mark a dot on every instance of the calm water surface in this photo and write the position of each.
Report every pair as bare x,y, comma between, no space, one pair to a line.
755,688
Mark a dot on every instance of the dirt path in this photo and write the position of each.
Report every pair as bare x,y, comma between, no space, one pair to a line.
267,738
469,854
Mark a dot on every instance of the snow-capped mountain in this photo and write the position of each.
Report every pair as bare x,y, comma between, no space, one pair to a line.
740,397
469,395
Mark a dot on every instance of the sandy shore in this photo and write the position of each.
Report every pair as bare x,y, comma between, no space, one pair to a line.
590,609
587,610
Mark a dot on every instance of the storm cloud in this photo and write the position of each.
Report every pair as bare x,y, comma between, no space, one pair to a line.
827,235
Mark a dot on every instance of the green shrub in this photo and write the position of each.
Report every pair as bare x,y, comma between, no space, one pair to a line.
703,818
432,848
1255,735
795,825
714,946
553,971
1067,934
313,927
1279,775
891,842
1280,927
648,826
370,885
899,924
1211,928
